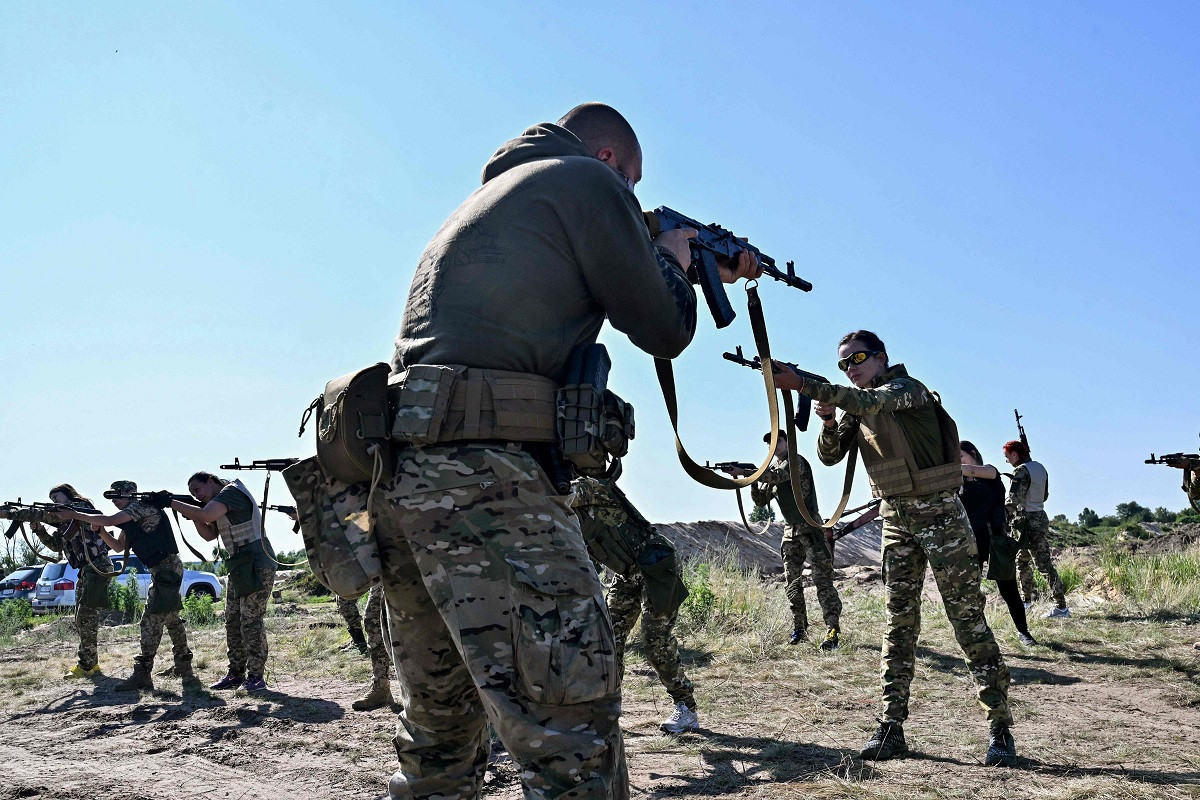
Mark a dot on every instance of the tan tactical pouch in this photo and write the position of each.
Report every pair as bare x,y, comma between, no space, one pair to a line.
446,403
336,529
353,426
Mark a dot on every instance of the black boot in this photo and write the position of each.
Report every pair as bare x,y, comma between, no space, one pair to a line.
888,742
357,641
1002,750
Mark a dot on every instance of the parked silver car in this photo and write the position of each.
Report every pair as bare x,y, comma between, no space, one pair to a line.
56,588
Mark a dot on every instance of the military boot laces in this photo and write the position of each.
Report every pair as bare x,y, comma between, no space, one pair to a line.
831,640
1002,750
378,697
683,719
888,742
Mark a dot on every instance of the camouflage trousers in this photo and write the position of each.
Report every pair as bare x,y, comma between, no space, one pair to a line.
1035,548
495,612
153,624
245,630
87,618
801,544
934,530
381,661
627,601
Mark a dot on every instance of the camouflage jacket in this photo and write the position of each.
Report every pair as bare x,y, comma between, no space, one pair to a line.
893,391
1018,494
776,484
75,540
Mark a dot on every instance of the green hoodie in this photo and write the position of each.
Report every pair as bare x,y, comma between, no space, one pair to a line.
533,261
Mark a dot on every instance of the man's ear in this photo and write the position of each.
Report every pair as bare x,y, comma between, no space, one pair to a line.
606,154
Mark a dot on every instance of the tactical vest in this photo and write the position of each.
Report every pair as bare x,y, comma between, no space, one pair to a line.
436,403
235,537
1039,480
889,460
151,548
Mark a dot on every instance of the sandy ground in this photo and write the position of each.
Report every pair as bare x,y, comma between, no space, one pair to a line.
1108,707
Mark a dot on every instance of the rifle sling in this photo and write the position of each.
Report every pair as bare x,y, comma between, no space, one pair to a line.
199,556
33,548
263,531
666,381
794,472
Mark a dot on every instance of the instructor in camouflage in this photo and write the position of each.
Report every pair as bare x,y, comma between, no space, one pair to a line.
1027,495
146,531
87,553
602,504
494,609
909,446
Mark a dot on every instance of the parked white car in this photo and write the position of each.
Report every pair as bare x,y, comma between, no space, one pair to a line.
56,587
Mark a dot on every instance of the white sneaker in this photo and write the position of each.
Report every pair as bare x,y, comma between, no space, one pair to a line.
683,719
1057,612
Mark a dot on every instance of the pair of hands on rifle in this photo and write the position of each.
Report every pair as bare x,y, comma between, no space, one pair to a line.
787,379
678,241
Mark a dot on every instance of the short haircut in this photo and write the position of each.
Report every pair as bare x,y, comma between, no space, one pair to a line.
1017,447
598,126
971,450
767,437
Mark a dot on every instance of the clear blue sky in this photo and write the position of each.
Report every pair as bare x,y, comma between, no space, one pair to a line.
208,210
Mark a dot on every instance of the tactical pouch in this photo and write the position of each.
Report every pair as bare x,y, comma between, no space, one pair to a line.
1002,560
92,590
659,564
336,529
353,426
163,597
418,399
594,424
243,577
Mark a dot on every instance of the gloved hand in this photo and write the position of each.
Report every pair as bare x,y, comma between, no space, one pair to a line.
160,499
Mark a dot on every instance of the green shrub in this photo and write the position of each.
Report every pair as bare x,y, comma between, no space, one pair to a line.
1159,584
15,616
762,514
123,595
698,605
306,585
198,610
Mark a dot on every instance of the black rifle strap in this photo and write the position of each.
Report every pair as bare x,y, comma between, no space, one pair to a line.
666,381
263,529
178,524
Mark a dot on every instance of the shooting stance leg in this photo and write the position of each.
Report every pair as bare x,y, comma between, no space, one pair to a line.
1039,550
662,649
821,561
381,663
903,577
1025,573
349,611
793,552
942,528
254,628
624,608
494,607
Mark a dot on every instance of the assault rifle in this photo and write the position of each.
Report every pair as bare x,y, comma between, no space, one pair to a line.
1021,430
291,512
269,464
870,512
113,494
1177,460
712,246
743,466
13,505
804,403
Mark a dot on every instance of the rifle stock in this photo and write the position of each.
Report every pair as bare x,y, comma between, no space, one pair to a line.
804,403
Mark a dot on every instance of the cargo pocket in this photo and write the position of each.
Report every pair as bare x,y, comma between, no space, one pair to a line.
563,646
336,529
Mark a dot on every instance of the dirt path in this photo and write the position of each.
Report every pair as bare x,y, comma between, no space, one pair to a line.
1106,709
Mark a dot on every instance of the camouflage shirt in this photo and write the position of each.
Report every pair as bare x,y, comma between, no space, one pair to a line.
148,533
75,540
776,484
1018,494
892,392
